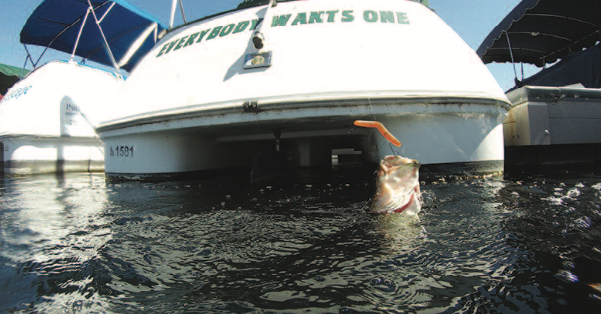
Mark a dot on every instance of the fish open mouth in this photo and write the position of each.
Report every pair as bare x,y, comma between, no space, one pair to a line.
411,202
397,188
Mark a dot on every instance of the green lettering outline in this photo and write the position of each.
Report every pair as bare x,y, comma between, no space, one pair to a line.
226,30
347,16
370,19
280,20
202,35
171,44
180,43
214,32
332,15
241,27
402,18
190,40
386,16
300,18
162,50
315,17
256,23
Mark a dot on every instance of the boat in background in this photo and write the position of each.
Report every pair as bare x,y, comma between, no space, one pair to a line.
281,84
9,75
555,118
47,119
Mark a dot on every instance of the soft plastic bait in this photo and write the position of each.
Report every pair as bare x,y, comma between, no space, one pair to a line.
381,128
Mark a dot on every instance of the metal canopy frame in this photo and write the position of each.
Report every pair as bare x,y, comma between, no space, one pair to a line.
49,27
540,32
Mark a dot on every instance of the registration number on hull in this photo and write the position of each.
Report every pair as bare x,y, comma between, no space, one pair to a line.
121,151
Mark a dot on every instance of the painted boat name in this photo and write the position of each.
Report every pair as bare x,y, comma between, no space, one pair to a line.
70,108
301,18
16,93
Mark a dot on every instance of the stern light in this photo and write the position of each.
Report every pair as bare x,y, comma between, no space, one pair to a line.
258,40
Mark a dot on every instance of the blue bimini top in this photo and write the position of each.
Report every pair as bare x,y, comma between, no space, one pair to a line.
130,33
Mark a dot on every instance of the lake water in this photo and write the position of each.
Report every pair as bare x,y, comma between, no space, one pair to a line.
79,244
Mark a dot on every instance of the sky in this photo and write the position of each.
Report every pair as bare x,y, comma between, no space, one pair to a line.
471,19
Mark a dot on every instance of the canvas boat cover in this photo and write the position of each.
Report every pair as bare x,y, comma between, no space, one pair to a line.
130,32
582,68
9,75
542,31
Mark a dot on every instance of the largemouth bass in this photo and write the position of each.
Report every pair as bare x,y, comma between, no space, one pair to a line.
397,187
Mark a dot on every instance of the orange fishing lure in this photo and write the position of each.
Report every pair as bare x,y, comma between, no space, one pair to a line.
381,128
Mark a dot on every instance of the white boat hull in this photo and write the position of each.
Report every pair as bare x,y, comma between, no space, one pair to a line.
193,103
183,144
33,155
47,120
550,127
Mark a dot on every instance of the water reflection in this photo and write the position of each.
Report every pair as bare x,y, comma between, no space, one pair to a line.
491,245
556,221
310,247
52,231
230,246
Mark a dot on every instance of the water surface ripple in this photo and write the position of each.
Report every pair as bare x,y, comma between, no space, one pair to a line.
78,244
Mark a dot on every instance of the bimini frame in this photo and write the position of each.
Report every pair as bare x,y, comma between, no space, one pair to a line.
152,28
